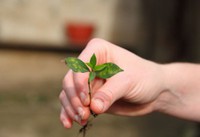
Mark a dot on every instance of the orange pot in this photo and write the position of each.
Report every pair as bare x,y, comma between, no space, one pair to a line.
79,33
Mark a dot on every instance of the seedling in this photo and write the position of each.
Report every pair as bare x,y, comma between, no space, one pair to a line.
102,71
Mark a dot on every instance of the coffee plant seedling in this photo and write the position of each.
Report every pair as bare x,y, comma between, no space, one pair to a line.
102,71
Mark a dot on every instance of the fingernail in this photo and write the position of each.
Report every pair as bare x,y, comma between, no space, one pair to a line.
66,124
99,103
77,118
81,112
84,98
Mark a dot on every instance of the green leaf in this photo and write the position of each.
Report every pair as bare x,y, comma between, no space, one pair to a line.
109,71
91,76
90,65
93,60
99,67
76,65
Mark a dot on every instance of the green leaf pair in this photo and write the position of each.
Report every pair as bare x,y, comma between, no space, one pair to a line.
103,71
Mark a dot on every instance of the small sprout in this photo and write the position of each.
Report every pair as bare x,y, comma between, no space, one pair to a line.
102,71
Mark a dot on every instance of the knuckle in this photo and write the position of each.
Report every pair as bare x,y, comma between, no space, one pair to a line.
74,101
61,95
64,83
67,80
128,81
80,87
80,82
109,95
61,117
95,42
106,95
69,111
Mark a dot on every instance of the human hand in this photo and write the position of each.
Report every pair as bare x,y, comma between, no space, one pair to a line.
131,92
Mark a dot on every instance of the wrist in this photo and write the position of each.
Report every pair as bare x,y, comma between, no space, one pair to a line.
180,97
169,97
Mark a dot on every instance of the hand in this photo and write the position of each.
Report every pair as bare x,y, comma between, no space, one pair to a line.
131,92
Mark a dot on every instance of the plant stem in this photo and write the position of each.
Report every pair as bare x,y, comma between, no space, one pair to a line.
89,86
90,92
85,127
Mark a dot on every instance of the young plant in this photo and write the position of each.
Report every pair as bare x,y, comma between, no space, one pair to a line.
102,71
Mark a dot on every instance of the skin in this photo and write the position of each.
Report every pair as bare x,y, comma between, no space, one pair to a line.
143,87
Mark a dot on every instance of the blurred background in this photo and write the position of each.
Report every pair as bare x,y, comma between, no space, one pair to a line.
35,35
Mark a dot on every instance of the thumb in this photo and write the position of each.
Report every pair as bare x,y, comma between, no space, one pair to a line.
113,89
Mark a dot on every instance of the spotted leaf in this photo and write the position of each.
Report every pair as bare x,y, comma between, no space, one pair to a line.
99,67
108,71
76,65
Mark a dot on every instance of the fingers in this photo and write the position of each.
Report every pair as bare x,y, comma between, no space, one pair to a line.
112,90
74,109
69,113
80,80
65,119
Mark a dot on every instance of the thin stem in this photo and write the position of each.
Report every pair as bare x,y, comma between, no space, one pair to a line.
90,92
89,86
85,127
